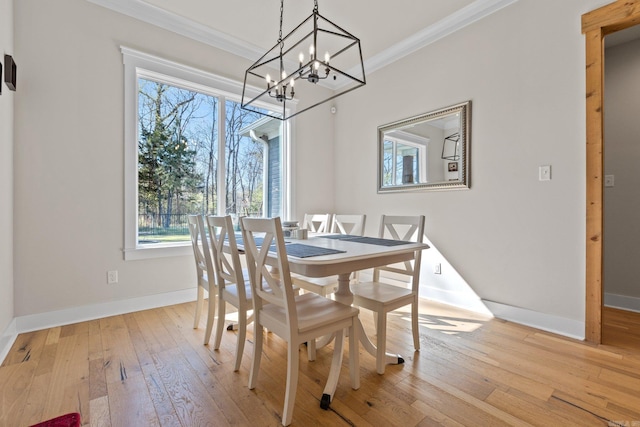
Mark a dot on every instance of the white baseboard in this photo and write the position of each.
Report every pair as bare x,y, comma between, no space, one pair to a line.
622,301
7,339
466,301
546,322
35,322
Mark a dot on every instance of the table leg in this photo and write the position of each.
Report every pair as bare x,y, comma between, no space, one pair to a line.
344,295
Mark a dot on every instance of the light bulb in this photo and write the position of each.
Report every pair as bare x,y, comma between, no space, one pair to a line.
268,78
291,81
316,65
311,50
301,57
326,57
284,75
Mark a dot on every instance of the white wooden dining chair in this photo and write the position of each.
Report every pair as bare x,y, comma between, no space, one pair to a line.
296,319
317,223
342,224
232,280
348,224
389,292
205,272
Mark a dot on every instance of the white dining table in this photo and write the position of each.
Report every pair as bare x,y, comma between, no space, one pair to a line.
354,256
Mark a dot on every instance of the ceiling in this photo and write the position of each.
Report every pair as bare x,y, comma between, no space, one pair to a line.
387,30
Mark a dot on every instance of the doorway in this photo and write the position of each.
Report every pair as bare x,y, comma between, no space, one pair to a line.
595,26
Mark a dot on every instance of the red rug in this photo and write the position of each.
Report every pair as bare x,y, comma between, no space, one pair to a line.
67,420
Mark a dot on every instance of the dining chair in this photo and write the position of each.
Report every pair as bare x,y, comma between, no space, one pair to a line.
317,223
295,318
348,224
232,280
205,272
386,293
342,224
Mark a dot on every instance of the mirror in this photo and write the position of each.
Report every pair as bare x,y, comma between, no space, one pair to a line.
426,152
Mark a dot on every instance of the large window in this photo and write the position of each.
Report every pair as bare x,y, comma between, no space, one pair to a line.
195,151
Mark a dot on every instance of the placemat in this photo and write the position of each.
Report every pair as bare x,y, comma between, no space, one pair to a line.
339,236
377,241
304,251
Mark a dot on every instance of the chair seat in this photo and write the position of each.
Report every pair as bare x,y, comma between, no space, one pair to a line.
313,311
381,292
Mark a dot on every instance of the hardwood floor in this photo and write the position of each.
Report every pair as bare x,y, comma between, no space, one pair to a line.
621,328
150,368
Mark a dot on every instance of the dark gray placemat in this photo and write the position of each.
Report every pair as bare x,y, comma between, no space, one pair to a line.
339,236
304,251
377,241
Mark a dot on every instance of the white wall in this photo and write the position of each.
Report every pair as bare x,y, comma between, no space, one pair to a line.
6,176
511,240
69,176
622,156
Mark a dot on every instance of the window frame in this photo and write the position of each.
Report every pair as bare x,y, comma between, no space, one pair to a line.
142,65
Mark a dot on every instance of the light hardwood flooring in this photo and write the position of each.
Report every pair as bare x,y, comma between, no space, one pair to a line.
150,368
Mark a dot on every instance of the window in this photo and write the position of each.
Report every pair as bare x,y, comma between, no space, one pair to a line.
402,162
191,148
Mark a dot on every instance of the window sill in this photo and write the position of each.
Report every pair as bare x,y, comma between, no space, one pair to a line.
160,250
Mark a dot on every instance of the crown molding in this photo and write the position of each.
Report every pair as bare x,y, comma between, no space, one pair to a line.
150,14
153,15
450,24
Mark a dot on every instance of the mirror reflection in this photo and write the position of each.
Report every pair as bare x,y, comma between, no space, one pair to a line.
429,151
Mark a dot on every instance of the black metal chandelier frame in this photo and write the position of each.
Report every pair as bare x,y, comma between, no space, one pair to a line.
312,71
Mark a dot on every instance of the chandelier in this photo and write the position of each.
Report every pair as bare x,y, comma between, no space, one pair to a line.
315,63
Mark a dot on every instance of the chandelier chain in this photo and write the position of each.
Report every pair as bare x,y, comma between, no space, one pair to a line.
281,15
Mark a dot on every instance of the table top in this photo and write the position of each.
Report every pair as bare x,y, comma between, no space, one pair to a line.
355,256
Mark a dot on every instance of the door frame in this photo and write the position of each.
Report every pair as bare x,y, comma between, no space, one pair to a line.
596,25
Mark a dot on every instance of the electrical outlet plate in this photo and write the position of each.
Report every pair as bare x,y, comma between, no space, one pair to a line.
544,173
437,269
112,277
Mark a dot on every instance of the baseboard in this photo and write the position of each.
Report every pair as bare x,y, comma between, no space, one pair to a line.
546,322
7,339
35,322
622,301
466,301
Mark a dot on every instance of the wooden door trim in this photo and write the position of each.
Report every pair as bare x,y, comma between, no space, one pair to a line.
595,25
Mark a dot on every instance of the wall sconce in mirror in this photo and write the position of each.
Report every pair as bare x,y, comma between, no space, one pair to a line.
426,152
10,71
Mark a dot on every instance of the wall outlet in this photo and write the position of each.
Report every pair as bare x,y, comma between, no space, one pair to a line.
544,173
437,269
112,277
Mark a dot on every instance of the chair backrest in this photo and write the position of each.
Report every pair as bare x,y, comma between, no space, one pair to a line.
407,228
268,285
348,224
204,263
317,223
227,262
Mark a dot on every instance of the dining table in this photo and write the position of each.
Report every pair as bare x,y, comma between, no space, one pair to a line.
325,255
322,255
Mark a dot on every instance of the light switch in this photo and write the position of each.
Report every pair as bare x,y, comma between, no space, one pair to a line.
609,181
544,173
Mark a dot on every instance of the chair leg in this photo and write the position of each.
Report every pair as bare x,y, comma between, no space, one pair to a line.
242,334
311,350
414,325
222,311
199,302
381,343
211,314
292,383
257,355
354,356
